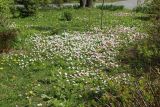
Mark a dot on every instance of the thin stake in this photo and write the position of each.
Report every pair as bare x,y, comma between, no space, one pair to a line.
102,15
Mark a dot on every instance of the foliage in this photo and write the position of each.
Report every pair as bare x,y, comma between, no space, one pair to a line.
146,53
29,9
144,8
66,16
4,14
14,11
110,7
7,34
4,7
45,2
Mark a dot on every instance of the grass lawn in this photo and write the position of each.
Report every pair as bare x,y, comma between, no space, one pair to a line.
58,63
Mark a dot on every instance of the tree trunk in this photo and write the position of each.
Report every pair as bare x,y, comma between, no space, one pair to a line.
83,3
89,3
86,3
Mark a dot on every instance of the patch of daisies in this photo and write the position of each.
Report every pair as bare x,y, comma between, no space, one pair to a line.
80,51
84,53
96,48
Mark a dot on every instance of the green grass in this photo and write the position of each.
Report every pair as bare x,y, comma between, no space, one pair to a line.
52,84
83,20
47,20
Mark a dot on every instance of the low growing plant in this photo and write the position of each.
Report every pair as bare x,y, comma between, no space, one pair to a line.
66,16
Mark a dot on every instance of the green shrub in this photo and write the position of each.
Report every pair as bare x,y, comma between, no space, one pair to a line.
150,49
110,7
145,55
29,9
4,8
7,34
143,8
4,15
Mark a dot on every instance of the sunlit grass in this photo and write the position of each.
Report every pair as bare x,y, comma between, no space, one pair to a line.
59,63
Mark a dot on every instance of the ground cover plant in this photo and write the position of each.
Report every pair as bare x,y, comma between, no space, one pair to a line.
73,63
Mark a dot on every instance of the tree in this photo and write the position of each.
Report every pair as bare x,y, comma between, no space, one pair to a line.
29,7
86,3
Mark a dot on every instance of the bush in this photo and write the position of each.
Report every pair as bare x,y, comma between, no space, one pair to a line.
4,8
29,9
110,7
145,55
7,34
4,15
143,8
